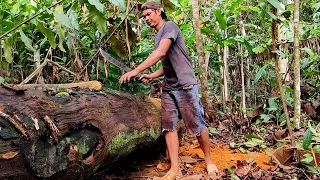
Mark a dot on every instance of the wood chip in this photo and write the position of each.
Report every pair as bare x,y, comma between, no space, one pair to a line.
36,124
9,155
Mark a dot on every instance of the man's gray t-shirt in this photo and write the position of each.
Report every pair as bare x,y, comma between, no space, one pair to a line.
178,70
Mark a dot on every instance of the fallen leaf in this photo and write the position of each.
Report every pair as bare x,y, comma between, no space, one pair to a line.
223,125
192,177
256,112
257,174
163,166
9,155
301,154
279,133
284,155
188,159
309,110
242,168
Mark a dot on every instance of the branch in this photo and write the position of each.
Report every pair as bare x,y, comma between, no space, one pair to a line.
61,67
35,72
96,85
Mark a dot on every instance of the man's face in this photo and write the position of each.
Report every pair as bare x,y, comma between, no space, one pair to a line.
152,17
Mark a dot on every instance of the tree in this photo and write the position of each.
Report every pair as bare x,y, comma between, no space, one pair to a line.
201,60
297,92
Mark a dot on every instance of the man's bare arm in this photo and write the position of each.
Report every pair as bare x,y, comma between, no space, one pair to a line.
157,73
147,78
154,57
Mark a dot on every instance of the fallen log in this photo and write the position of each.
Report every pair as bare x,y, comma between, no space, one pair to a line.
48,136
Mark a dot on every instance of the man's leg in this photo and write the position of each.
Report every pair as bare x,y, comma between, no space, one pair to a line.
193,115
172,142
204,142
170,116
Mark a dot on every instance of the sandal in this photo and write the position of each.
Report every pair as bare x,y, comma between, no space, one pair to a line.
212,169
171,176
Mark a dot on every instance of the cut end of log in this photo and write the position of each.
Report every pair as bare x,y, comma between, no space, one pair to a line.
96,85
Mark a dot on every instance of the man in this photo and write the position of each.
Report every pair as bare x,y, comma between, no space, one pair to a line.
180,98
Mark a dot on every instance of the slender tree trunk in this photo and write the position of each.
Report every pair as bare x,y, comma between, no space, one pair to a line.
225,70
0,49
248,80
283,62
202,65
296,71
221,77
127,30
207,58
274,48
243,33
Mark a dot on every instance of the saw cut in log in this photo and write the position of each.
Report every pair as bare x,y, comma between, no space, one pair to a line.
72,136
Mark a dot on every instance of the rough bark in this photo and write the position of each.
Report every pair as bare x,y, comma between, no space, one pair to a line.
202,65
46,136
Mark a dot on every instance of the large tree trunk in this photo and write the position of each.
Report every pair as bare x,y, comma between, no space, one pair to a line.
46,136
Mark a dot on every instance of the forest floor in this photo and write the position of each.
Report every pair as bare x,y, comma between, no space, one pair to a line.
244,152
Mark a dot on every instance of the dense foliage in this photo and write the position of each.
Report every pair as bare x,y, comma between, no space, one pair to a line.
71,32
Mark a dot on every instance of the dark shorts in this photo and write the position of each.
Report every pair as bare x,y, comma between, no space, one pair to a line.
183,104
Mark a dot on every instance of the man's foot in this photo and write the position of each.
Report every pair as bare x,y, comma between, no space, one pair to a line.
208,160
171,176
212,169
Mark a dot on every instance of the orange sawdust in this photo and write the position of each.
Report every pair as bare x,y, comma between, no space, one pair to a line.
224,157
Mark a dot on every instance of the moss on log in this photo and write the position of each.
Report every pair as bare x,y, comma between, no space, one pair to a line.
72,136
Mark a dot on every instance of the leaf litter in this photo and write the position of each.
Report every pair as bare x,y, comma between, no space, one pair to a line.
234,157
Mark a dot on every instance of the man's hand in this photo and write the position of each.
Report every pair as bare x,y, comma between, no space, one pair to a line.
146,78
127,76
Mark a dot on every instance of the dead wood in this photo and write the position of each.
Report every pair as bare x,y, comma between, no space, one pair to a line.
93,85
72,136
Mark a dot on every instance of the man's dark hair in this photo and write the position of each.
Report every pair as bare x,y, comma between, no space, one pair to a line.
154,6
